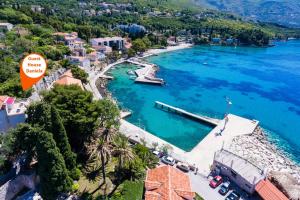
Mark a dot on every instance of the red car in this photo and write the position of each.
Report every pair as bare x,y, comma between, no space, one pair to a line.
216,181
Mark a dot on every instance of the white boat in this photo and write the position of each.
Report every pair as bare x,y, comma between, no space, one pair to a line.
132,77
130,72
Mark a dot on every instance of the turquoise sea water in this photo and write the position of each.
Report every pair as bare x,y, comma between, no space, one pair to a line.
262,83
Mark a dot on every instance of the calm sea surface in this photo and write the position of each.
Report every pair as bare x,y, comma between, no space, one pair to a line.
262,83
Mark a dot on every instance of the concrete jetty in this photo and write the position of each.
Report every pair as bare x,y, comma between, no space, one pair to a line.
125,113
146,74
211,121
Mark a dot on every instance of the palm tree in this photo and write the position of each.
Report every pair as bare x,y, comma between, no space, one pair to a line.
100,147
123,150
100,150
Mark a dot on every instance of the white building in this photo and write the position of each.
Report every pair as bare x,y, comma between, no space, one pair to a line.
6,26
81,61
12,112
239,170
116,43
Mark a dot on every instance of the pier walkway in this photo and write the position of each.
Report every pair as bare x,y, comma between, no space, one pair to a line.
208,120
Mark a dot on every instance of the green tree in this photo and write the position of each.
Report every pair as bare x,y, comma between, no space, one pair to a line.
138,45
147,157
60,136
79,74
100,150
134,170
131,53
51,167
47,117
123,150
78,111
54,178
108,114
147,42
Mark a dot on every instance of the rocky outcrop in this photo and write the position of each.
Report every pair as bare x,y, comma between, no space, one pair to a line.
257,149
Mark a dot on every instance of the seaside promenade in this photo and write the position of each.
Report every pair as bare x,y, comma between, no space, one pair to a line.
94,76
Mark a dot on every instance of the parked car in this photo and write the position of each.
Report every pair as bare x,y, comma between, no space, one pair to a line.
183,166
233,196
168,160
158,153
216,181
224,189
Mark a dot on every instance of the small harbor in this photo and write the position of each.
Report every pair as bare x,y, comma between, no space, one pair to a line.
146,74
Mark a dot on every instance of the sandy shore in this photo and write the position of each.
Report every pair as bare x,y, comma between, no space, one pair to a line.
151,52
257,149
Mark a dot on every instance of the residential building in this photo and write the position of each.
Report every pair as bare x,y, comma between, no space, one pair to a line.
77,47
36,8
267,191
75,44
68,79
80,61
244,173
6,26
12,112
46,82
96,56
116,43
103,49
166,182
172,41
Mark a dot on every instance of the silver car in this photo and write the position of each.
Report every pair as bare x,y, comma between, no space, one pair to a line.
168,160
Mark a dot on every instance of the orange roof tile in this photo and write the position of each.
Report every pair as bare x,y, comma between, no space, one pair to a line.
167,183
68,79
268,191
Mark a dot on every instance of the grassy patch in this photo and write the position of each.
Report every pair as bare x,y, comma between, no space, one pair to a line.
198,197
94,187
129,190
91,184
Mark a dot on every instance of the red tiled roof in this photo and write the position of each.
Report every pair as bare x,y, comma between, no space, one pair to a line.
68,79
268,191
167,183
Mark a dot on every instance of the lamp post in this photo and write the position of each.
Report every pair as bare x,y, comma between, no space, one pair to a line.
229,103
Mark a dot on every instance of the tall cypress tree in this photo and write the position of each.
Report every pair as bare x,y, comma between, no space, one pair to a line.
46,117
61,138
51,167
54,176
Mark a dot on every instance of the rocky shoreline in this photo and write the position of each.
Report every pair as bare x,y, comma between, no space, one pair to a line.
259,150
101,84
282,171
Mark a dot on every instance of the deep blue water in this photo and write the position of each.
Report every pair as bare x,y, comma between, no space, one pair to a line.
262,83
